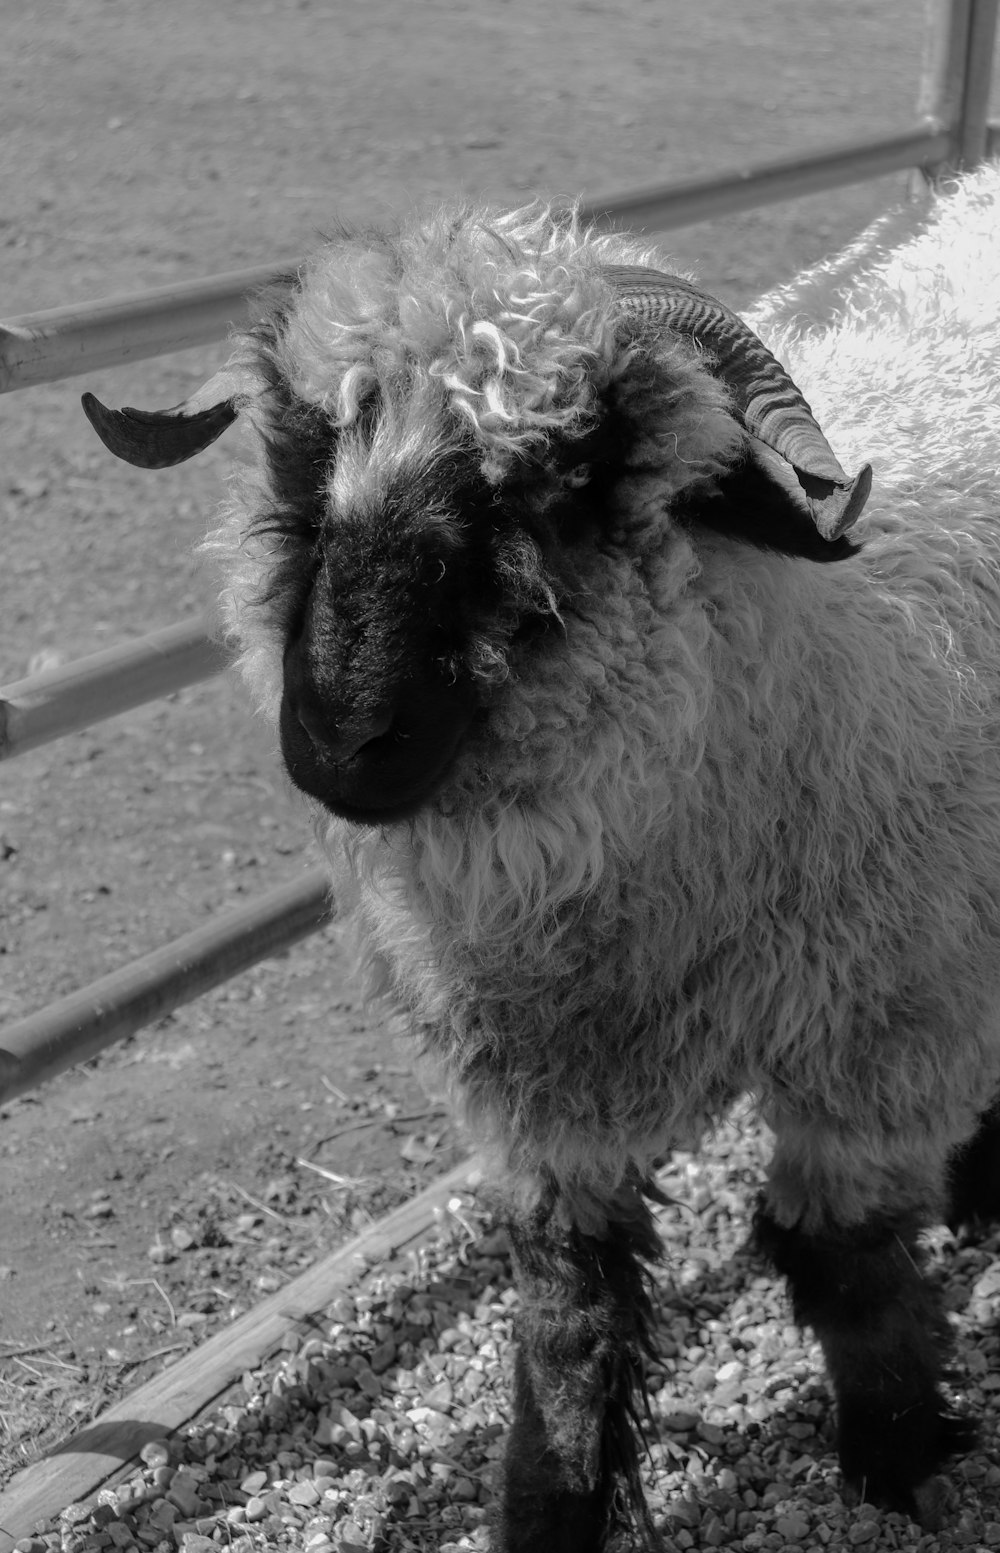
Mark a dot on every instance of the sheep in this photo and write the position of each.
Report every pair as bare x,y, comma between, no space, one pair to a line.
653,767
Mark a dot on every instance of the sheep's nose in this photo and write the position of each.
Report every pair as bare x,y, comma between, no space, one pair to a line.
341,738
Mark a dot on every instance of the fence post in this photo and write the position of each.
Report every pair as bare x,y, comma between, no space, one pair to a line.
955,88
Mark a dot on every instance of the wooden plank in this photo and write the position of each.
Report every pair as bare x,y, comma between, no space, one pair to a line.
75,1470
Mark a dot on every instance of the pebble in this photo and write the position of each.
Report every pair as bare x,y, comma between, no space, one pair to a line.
382,1356
183,1493
75,1514
794,1528
305,1493
862,1532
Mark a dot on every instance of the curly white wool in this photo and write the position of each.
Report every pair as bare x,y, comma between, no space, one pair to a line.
738,827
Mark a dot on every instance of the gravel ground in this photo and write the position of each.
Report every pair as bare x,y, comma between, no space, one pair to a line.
377,1428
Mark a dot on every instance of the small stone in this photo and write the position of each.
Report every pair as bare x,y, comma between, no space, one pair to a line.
304,1493
182,1238
195,1542
988,1286
163,1515
255,1508
862,1532
431,1420
254,1482
369,1383
382,1356
684,1512
793,1528
183,1492
440,1397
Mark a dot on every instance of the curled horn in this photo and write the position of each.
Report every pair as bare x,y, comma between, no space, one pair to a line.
155,439
777,418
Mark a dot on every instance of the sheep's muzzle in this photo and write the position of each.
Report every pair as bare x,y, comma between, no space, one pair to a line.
372,747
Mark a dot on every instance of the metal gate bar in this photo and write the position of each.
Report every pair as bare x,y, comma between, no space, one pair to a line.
47,706
77,1027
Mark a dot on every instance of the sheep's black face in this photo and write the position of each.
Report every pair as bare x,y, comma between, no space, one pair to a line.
378,693
402,575
393,568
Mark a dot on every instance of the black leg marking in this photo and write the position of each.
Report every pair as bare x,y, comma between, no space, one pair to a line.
885,1339
974,1173
572,1461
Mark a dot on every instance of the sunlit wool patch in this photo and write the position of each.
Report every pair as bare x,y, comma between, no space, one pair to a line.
734,824
620,843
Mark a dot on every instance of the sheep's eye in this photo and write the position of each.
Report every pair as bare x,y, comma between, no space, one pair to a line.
576,477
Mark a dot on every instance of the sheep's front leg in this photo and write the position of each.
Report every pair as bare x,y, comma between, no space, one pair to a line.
584,1322
885,1339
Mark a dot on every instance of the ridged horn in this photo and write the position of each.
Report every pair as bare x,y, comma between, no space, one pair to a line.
156,439
771,408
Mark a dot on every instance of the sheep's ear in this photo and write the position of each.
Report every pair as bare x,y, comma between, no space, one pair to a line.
155,439
815,498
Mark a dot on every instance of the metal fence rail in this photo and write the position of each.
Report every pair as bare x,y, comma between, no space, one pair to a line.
46,706
42,347
79,1026
67,341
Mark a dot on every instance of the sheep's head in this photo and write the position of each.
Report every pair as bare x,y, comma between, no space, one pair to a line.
449,422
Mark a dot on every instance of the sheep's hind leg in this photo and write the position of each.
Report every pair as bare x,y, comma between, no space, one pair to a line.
584,1323
885,1339
974,1173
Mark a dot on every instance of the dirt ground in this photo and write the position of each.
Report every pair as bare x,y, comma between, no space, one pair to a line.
149,1196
